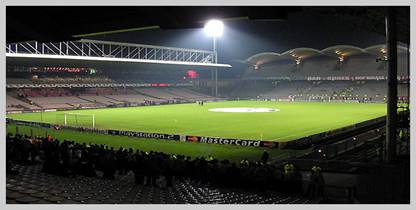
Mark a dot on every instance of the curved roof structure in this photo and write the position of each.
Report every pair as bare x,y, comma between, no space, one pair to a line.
301,53
342,50
332,51
381,49
262,58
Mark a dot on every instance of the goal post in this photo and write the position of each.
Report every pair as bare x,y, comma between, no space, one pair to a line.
79,120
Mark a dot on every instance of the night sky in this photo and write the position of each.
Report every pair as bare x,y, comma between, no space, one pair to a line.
244,38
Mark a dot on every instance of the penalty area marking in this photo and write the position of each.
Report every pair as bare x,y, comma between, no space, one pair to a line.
243,109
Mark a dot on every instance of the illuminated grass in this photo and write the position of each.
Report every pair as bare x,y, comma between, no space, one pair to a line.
293,121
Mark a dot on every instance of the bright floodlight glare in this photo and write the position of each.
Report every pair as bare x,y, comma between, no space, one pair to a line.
214,28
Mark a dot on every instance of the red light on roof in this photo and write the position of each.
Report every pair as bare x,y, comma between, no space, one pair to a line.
192,74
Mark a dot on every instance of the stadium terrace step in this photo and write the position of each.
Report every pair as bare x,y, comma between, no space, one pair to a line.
26,200
144,93
122,190
40,195
13,195
55,199
113,99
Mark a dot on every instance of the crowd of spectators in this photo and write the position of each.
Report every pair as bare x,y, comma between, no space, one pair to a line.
69,158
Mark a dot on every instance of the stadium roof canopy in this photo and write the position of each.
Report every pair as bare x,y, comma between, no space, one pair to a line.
301,53
262,58
332,51
342,50
381,49
293,54
105,51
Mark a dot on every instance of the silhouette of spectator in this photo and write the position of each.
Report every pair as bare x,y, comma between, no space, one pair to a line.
265,156
316,183
70,158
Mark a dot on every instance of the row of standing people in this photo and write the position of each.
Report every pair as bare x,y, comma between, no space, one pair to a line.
68,158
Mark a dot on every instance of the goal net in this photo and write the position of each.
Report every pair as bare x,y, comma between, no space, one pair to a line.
76,120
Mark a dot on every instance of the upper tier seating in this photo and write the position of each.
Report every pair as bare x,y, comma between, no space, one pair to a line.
159,93
189,94
13,104
132,98
58,102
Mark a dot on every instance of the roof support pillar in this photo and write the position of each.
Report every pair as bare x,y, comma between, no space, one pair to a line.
391,86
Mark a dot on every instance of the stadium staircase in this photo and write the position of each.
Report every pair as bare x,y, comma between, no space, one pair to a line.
69,104
172,91
353,174
35,104
27,101
86,99
145,94
97,103
31,186
113,99
14,95
195,93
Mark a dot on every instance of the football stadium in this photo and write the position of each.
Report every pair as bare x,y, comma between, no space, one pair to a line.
207,105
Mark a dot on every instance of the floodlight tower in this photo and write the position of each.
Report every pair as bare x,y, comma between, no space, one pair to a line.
214,29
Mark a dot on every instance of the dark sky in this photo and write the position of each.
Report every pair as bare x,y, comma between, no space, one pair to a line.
244,38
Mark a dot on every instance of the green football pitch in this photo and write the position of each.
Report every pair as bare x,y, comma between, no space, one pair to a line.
293,120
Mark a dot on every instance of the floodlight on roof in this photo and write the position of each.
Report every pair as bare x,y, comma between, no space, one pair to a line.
214,28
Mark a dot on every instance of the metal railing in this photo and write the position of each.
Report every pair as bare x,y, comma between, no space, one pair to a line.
117,51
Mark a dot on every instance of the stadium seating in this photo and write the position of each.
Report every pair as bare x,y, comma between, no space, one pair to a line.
32,186
13,104
50,171
132,98
363,65
58,102
99,99
376,90
45,92
72,80
67,98
99,91
190,94
159,93
12,80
